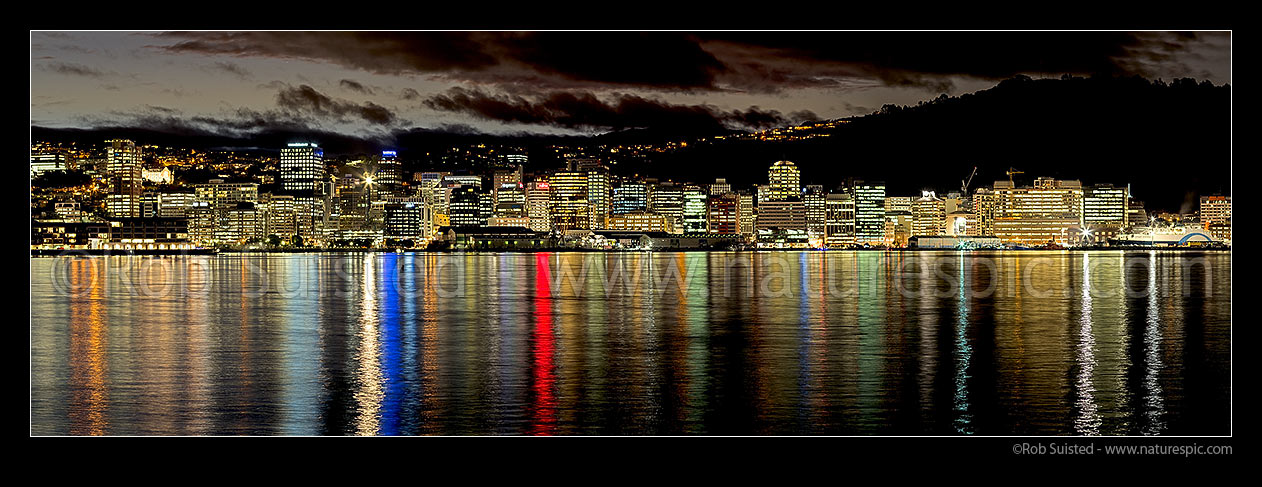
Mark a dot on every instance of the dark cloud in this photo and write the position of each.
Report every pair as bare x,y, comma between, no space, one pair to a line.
73,69
929,59
231,68
740,61
651,60
585,110
379,52
352,85
306,100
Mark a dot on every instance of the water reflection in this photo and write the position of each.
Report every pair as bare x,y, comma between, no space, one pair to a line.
634,343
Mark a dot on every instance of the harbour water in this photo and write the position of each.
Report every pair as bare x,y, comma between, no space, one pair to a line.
846,343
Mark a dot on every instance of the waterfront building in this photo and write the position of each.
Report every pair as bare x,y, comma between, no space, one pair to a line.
898,228
301,167
1040,214
1215,209
928,213
406,219
747,215
568,205
1104,215
869,207
60,234
839,220
630,196
782,215
641,221
960,223
537,201
510,201
491,238
1135,213
465,207
599,197
1215,215
695,208
723,214
667,199
813,199
1104,205
983,207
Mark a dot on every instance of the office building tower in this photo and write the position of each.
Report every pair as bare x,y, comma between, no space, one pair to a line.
1044,213
928,213
784,182
869,208
723,213
694,214
301,167
720,186
839,220
630,196
388,178
123,170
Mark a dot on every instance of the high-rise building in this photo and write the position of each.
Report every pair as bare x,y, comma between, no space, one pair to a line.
466,207
568,206
869,210
667,199
123,168
694,215
599,196
1104,204
784,181
747,215
928,215
784,215
1104,212
1040,214
1215,209
510,201
630,196
301,167
389,175
839,220
1215,215
538,195
723,213
816,215
983,203
407,219
720,186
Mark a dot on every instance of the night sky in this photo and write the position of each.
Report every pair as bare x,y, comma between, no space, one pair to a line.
373,84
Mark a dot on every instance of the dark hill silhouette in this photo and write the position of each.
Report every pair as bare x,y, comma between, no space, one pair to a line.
1170,141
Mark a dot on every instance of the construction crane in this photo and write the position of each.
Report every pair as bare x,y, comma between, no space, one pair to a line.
1011,171
965,182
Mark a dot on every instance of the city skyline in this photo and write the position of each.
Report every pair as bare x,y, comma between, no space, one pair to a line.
303,200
